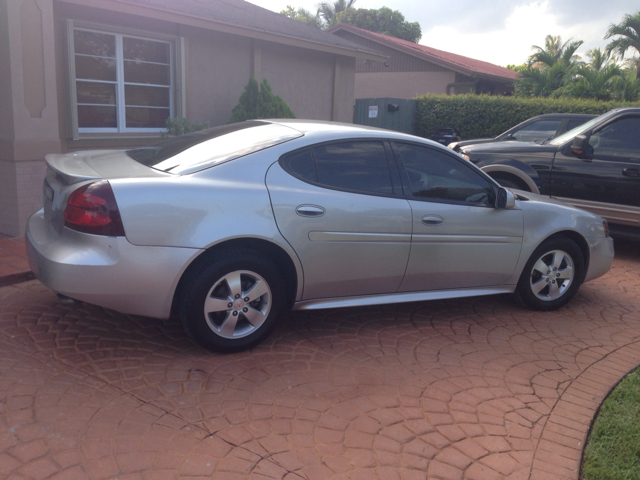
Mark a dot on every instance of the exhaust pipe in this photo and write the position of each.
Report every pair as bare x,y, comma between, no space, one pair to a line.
66,300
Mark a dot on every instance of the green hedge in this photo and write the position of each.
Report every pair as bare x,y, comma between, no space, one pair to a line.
482,116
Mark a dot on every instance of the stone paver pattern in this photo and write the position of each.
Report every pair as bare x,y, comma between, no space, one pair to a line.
477,389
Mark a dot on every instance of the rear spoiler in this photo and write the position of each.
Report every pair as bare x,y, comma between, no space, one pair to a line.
71,167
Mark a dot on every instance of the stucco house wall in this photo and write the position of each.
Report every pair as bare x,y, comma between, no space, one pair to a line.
401,84
211,64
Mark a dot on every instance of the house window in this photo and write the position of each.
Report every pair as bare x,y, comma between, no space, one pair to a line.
121,82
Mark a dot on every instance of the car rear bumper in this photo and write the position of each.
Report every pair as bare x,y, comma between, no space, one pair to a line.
106,271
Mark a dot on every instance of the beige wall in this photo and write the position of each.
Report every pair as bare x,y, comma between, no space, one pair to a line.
401,84
305,80
28,107
218,67
34,92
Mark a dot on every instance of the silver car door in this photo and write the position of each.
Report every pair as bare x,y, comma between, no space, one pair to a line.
459,239
337,207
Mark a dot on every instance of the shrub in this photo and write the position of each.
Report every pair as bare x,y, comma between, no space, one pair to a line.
180,126
482,116
259,103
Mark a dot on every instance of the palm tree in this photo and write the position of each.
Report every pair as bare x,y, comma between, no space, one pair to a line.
628,32
539,82
548,68
597,78
328,10
555,51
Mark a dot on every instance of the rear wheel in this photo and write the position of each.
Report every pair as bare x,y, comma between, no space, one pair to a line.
232,301
552,275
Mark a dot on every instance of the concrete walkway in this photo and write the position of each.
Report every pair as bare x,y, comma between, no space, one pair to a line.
466,389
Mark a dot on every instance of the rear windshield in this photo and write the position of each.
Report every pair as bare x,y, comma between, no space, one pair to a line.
199,150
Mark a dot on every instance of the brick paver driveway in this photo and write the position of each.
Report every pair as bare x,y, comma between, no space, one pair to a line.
477,388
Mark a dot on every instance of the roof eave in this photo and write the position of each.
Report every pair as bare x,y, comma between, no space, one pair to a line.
150,11
435,60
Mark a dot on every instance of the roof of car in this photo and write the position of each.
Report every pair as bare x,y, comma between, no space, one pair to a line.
565,115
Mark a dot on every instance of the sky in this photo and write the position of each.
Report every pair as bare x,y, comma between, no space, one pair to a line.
497,31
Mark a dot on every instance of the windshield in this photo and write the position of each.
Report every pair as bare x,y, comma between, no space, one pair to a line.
199,150
568,135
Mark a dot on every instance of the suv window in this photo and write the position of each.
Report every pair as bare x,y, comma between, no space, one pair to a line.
620,139
537,131
351,165
436,176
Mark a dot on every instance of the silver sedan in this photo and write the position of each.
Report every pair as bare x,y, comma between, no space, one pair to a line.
229,227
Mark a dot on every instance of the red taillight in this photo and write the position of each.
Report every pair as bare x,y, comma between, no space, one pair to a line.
92,208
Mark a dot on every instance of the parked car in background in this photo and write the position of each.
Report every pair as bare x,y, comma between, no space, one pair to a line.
536,129
595,166
230,226
444,135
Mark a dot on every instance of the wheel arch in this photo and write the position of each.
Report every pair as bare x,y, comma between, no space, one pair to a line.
498,171
275,253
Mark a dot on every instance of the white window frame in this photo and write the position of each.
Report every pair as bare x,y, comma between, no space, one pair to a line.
176,67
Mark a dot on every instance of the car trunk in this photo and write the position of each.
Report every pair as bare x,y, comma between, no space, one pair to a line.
66,172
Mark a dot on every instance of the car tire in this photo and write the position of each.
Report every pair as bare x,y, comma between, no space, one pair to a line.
232,301
510,182
552,275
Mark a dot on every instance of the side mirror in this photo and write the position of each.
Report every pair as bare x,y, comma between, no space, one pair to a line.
505,199
580,145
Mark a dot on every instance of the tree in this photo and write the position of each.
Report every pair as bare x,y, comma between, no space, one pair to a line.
384,20
328,10
628,33
303,15
555,51
548,68
517,68
539,82
597,78
627,88
259,102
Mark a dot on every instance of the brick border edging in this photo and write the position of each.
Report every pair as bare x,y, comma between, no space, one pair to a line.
558,455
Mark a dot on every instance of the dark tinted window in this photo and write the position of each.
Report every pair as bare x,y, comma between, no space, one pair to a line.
206,148
618,139
537,131
301,164
353,165
574,123
438,176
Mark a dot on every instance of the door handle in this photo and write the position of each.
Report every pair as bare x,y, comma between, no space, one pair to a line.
432,220
310,211
631,172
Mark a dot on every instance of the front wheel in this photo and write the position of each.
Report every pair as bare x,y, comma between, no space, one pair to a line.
232,301
512,182
552,275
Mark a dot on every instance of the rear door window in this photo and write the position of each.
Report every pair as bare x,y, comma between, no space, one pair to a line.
355,165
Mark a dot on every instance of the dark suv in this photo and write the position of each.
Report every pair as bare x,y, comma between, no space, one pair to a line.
535,129
595,166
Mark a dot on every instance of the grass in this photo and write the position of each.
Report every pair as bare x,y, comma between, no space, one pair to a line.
613,447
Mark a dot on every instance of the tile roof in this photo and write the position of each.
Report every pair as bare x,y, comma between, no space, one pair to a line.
248,16
453,61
